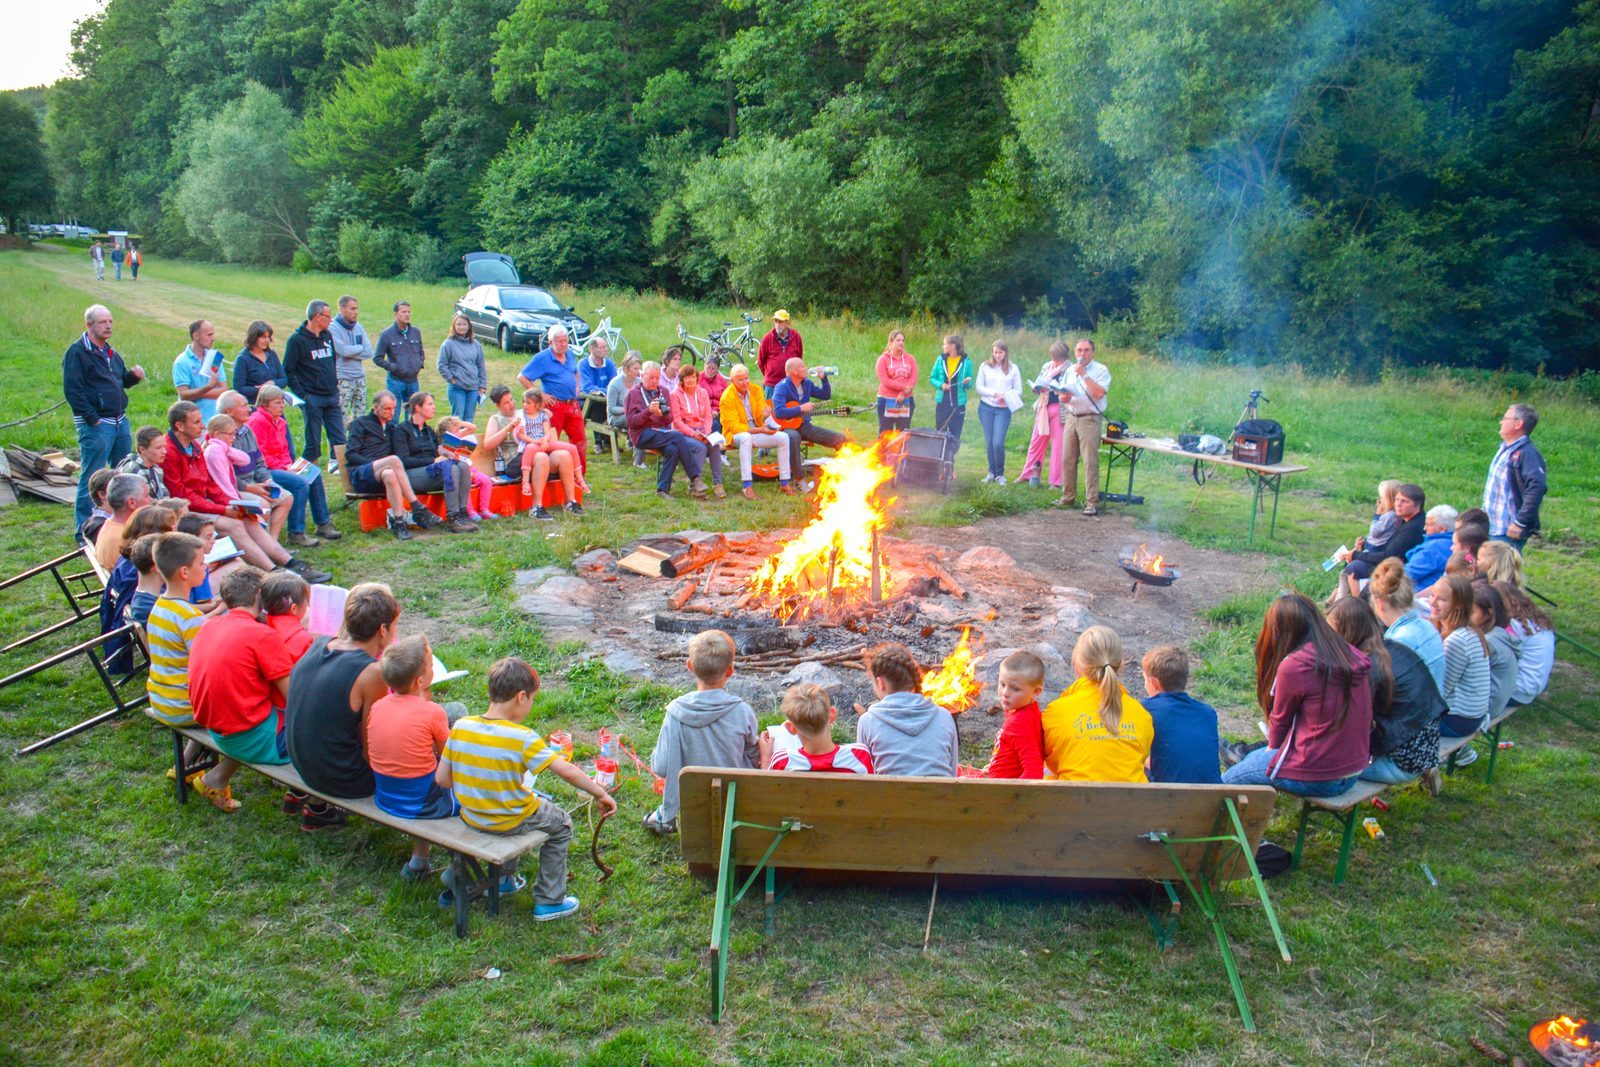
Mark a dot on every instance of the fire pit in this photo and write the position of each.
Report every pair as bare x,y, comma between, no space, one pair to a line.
1147,568
1567,1042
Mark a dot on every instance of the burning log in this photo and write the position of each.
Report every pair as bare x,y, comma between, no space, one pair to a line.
954,686
681,595
951,586
1566,1042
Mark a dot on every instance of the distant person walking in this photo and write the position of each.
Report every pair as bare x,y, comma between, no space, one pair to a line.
352,348
399,353
308,361
1516,482
117,256
999,394
462,366
95,382
97,256
135,261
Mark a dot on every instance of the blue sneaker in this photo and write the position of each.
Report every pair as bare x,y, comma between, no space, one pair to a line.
546,912
511,883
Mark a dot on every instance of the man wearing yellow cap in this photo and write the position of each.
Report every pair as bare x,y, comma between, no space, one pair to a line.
778,347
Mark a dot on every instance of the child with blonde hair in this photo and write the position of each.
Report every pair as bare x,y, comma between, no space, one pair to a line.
1096,731
478,501
809,716
543,452
1384,520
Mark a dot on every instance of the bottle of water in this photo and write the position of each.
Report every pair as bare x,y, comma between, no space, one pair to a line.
608,744
818,372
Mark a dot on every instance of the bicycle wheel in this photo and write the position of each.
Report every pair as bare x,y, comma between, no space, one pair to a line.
729,356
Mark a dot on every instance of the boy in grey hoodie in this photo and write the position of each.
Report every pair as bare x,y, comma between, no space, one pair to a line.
707,728
906,733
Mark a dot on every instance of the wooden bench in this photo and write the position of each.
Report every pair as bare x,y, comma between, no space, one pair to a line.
1342,809
989,830
474,855
608,433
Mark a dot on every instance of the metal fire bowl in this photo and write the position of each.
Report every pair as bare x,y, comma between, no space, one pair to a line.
1539,1037
1144,577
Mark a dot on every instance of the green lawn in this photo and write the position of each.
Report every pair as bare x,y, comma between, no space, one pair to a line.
134,931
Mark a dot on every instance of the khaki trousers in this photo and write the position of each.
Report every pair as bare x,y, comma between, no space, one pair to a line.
1081,436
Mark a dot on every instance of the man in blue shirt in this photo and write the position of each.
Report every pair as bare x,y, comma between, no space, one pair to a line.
197,372
1186,745
556,371
793,401
595,374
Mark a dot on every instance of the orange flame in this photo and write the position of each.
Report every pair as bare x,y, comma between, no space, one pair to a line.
955,686
1150,563
1568,1029
833,554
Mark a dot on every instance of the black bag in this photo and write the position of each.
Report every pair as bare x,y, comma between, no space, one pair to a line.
1258,441
1189,442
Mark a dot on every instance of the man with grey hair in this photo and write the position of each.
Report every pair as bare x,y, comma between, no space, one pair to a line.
95,382
650,429
351,349
1516,482
125,494
1425,563
556,371
308,362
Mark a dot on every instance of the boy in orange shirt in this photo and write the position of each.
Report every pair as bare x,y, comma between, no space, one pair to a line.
405,734
1019,747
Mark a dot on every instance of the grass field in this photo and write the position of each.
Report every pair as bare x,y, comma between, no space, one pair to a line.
133,931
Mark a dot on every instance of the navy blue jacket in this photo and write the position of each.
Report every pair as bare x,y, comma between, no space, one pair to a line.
250,374
1525,483
96,387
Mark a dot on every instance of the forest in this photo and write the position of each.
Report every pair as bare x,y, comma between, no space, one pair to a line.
1340,184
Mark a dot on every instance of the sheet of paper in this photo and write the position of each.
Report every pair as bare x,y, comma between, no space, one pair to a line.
326,614
222,550
440,674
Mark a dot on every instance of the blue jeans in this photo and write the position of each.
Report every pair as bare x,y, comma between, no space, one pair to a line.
1252,770
675,449
996,423
902,424
102,445
1453,725
1515,543
401,388
303,489
322,415
1384,771
463,402
950,419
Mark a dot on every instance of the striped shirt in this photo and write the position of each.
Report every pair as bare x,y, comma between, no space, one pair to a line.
1466,675
488,759
172,627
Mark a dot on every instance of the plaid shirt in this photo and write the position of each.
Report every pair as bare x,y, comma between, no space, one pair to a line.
1497,492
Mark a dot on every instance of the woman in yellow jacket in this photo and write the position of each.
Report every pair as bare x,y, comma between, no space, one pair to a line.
1095,731
744,423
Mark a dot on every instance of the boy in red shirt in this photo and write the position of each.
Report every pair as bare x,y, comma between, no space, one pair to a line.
809,715
405,734
285,599
238,679
1019,747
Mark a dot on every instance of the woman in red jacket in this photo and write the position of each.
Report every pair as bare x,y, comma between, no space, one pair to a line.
1313,686
897,377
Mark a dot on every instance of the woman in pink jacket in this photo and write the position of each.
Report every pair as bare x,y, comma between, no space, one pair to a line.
897,377
691,416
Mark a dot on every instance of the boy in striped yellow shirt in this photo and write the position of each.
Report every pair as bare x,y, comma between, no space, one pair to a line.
170,631
484,762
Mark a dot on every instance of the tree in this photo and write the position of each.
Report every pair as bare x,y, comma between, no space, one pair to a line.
241,191
25,185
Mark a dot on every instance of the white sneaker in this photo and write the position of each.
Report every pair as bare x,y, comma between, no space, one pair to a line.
1000,479
1466,757
987,478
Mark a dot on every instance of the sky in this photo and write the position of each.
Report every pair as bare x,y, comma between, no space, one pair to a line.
39,39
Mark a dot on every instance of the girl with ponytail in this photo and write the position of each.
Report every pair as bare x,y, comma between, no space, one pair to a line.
1096,731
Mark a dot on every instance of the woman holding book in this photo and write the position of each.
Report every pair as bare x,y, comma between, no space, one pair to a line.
299,477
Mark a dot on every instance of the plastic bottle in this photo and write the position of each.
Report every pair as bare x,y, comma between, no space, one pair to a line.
562,740
605,773
608,746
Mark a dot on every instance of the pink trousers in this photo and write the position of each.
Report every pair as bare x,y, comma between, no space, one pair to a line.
1037,445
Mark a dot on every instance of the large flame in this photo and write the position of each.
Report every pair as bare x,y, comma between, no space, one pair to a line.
833,554
1570,1030
955,686
1150,563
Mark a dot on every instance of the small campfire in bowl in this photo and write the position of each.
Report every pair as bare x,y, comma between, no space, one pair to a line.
1147,568
1567,1042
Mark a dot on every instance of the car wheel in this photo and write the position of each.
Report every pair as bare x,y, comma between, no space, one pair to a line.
505,338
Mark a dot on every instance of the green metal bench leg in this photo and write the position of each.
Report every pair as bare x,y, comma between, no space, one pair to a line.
1255,879
1494,754
178,766
1349,821
1166,930
772,901
722,916
1208,905
1300,836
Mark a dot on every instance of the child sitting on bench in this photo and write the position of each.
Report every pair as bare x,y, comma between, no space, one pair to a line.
148,590
171,631
905,732
1096,731
405,734
478,502
709,727
285,601
238,681
538,438
484,761
1019,746
1186,741
809,715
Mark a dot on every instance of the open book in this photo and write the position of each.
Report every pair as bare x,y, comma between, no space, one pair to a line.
442,674
222,550
305,469
325,615
251,503
292,398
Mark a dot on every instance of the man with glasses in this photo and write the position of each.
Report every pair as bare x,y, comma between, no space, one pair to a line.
1516,482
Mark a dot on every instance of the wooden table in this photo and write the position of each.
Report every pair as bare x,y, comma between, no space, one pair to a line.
1264,477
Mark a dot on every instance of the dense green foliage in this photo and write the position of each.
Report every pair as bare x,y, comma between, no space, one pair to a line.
24,177
1340,183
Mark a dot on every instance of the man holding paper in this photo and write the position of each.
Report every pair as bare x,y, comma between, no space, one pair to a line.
1082,387
197,373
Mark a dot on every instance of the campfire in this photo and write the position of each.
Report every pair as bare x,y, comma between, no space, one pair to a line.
955,686
1567,1042
836,562
1147,568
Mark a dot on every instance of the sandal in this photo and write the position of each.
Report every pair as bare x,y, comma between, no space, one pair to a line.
222,798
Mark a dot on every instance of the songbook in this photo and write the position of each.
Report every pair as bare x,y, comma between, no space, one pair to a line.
325,615
222,550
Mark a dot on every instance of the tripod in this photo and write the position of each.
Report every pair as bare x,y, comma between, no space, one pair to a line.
1250,411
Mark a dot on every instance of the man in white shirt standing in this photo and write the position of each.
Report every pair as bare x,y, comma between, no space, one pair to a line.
1083,388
